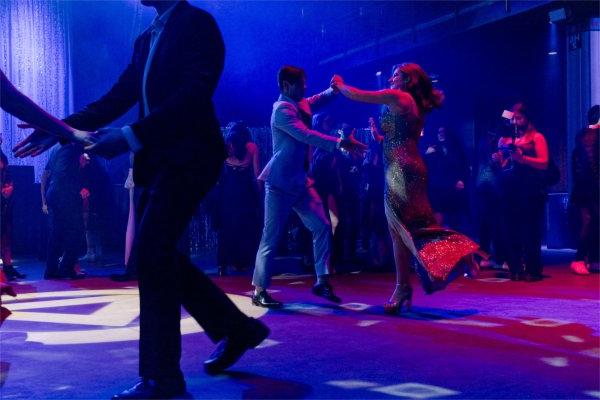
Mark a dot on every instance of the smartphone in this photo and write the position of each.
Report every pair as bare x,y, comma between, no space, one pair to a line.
507,114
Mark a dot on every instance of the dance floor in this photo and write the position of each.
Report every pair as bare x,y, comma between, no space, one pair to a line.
484,338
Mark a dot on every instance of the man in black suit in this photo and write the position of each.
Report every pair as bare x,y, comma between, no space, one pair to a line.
179,152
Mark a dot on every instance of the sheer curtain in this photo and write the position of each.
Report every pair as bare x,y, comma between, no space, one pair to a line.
34,54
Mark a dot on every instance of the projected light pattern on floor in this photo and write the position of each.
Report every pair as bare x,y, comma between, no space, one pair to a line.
109,315
478,339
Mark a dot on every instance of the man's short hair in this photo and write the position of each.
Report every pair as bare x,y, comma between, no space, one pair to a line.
290,74
594,115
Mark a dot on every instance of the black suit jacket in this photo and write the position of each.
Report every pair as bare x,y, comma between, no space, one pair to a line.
181,128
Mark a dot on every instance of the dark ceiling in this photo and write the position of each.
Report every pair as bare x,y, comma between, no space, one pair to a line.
324,28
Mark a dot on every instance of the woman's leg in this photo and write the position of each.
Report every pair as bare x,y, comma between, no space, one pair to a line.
402,290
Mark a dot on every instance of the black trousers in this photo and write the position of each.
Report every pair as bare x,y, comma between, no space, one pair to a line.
523,217
168,279
66,234
489,222
588,245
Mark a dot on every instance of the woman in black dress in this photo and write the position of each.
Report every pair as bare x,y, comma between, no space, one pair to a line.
236,216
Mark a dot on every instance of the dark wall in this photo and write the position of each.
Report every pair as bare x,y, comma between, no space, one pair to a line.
482,72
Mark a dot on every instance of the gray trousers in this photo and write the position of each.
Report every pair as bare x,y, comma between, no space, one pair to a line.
309,207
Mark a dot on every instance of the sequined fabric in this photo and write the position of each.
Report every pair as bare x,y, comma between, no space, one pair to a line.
437,250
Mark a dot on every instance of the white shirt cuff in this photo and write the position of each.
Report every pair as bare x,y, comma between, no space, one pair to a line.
132,141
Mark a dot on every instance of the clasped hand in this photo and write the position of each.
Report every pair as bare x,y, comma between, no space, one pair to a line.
106,142
336,82
39,141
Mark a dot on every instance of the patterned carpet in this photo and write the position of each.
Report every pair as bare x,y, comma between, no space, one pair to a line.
484,338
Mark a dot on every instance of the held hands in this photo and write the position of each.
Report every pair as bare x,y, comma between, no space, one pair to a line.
45,209
337,83
39,141
108,143
84,138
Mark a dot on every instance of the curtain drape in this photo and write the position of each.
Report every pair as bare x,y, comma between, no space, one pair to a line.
34,54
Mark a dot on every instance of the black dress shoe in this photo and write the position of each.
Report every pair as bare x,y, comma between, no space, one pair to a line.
126,277
264,299
326,291
230,349
153,389
11,273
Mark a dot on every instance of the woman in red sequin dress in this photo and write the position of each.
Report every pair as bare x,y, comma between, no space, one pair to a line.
438,251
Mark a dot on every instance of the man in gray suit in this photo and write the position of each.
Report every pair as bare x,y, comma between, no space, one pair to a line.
285,183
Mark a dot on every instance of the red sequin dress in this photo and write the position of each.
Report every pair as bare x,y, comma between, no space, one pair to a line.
437,250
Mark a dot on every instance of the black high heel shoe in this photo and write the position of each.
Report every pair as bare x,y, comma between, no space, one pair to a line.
402,294
471,266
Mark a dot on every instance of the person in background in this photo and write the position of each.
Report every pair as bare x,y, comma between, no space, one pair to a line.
6,219
16,103
62,198
523,160
350,169
324,171
236,198
585,196
447,173
487,203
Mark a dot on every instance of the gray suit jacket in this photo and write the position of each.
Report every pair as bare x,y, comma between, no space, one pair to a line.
291,136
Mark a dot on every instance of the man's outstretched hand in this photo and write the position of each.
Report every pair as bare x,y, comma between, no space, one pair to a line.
39,141
35,144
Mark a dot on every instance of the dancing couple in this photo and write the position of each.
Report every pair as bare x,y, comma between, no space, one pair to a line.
440,253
